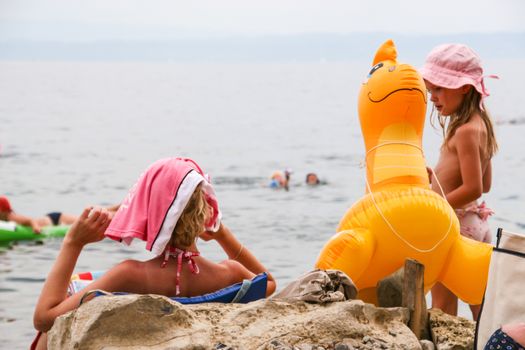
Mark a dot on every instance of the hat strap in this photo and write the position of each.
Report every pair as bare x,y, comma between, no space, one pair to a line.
484,91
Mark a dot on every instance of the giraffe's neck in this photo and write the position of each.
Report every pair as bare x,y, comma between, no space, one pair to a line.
396,158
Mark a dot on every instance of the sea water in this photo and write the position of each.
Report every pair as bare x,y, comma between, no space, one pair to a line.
74,134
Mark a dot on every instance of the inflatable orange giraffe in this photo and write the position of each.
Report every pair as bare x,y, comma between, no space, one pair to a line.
400,217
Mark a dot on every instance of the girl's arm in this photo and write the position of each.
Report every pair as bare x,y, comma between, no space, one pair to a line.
236,251
53,301
467,148
487,177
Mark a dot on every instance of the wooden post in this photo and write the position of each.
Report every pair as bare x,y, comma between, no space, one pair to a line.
414,298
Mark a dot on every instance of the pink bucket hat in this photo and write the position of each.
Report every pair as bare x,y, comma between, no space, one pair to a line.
455,65
155,203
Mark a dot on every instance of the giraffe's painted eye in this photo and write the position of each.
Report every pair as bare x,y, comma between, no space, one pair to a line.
374,68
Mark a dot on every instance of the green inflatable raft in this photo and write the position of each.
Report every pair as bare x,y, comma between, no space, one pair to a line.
10,232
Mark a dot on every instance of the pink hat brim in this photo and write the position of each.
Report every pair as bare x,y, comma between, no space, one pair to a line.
449,79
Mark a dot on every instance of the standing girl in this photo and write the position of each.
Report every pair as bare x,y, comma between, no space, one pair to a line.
454,78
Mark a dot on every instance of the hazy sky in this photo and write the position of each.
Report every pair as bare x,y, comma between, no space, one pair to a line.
128,19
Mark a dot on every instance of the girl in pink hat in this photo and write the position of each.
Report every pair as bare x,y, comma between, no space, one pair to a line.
171,205
454,78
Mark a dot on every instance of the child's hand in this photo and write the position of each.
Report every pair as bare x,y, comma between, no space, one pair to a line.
89,227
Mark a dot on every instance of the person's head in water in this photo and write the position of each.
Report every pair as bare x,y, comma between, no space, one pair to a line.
312,179
280,179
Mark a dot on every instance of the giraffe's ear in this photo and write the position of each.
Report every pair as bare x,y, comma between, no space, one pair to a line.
386,52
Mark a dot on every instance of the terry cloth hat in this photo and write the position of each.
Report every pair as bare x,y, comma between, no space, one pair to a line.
453,66
155,203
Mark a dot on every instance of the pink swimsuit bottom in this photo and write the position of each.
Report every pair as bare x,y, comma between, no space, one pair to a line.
473,221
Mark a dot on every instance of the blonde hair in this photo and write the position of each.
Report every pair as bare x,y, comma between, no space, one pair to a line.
192,220
469,106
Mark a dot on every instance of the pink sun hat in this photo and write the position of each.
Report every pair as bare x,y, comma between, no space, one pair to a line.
155,203
453,66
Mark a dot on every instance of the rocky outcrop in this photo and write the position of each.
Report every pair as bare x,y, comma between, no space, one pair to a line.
156,322
450,332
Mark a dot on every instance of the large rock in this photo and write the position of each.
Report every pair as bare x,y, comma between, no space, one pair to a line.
450,332
156,322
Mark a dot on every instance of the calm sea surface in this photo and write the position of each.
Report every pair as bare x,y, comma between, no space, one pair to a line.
74,134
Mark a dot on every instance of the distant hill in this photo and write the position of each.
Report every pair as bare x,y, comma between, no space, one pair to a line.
289,48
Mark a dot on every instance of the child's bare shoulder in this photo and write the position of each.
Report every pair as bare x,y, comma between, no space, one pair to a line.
472,128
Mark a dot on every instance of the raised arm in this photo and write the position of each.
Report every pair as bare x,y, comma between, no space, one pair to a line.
53,301
236,251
